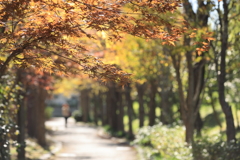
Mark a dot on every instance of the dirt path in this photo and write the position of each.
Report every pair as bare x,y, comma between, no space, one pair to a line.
82,142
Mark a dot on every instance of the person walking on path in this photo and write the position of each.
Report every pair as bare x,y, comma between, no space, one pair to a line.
66,112
81,141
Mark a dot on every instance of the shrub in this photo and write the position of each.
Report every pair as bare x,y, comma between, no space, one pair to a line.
162,142
77,115
107,129
169,142
143,136
48,112
214,148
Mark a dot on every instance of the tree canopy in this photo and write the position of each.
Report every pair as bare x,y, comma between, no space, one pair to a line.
50,35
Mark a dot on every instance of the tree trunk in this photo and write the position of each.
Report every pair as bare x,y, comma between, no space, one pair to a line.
189,107
129,110
41,131
166,94
195,86
231,132
84,104
96,100
21,136
198,124
189,125
183,105
176,59
227,110
199,72
120,111
103,106
114,107
108,108
166,116
140,90
152,103
21,114
214,110
36,115
237,117
32,110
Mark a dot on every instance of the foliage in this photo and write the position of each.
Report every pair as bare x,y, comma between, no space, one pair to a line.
9,91
110,132
77,115
167,143
66,86
143,136
51,36
48,112
211,120
33,150
214,148
147,58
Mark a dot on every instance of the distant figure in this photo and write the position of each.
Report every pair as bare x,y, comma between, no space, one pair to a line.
66,112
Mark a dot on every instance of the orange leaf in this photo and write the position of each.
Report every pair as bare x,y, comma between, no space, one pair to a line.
211,39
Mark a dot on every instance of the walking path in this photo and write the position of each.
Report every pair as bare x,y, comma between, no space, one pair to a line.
82,142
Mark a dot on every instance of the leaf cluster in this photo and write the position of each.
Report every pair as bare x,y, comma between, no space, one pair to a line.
48,35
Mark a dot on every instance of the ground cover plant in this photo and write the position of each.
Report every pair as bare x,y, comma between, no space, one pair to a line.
161,142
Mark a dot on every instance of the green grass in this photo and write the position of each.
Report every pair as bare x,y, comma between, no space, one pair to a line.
211,127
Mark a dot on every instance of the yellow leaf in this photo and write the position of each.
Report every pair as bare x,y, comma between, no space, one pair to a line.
172,43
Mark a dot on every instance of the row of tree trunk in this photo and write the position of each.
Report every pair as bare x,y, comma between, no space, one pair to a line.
31,112
111,106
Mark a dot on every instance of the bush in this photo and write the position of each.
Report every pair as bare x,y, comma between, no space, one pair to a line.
143,136
161,142
213,148
48,112
77,115
107,129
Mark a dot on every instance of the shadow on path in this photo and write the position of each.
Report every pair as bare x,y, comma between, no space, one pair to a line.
81,142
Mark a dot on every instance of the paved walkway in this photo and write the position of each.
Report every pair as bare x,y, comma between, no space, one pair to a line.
82,142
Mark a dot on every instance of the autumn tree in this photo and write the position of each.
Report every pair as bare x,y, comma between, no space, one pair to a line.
49,35
195,62
150,68
39,33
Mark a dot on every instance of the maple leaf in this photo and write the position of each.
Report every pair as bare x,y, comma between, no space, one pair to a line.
210,39
50,33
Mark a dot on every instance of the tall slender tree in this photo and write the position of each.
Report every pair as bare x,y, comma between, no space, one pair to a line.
190,103
223,17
